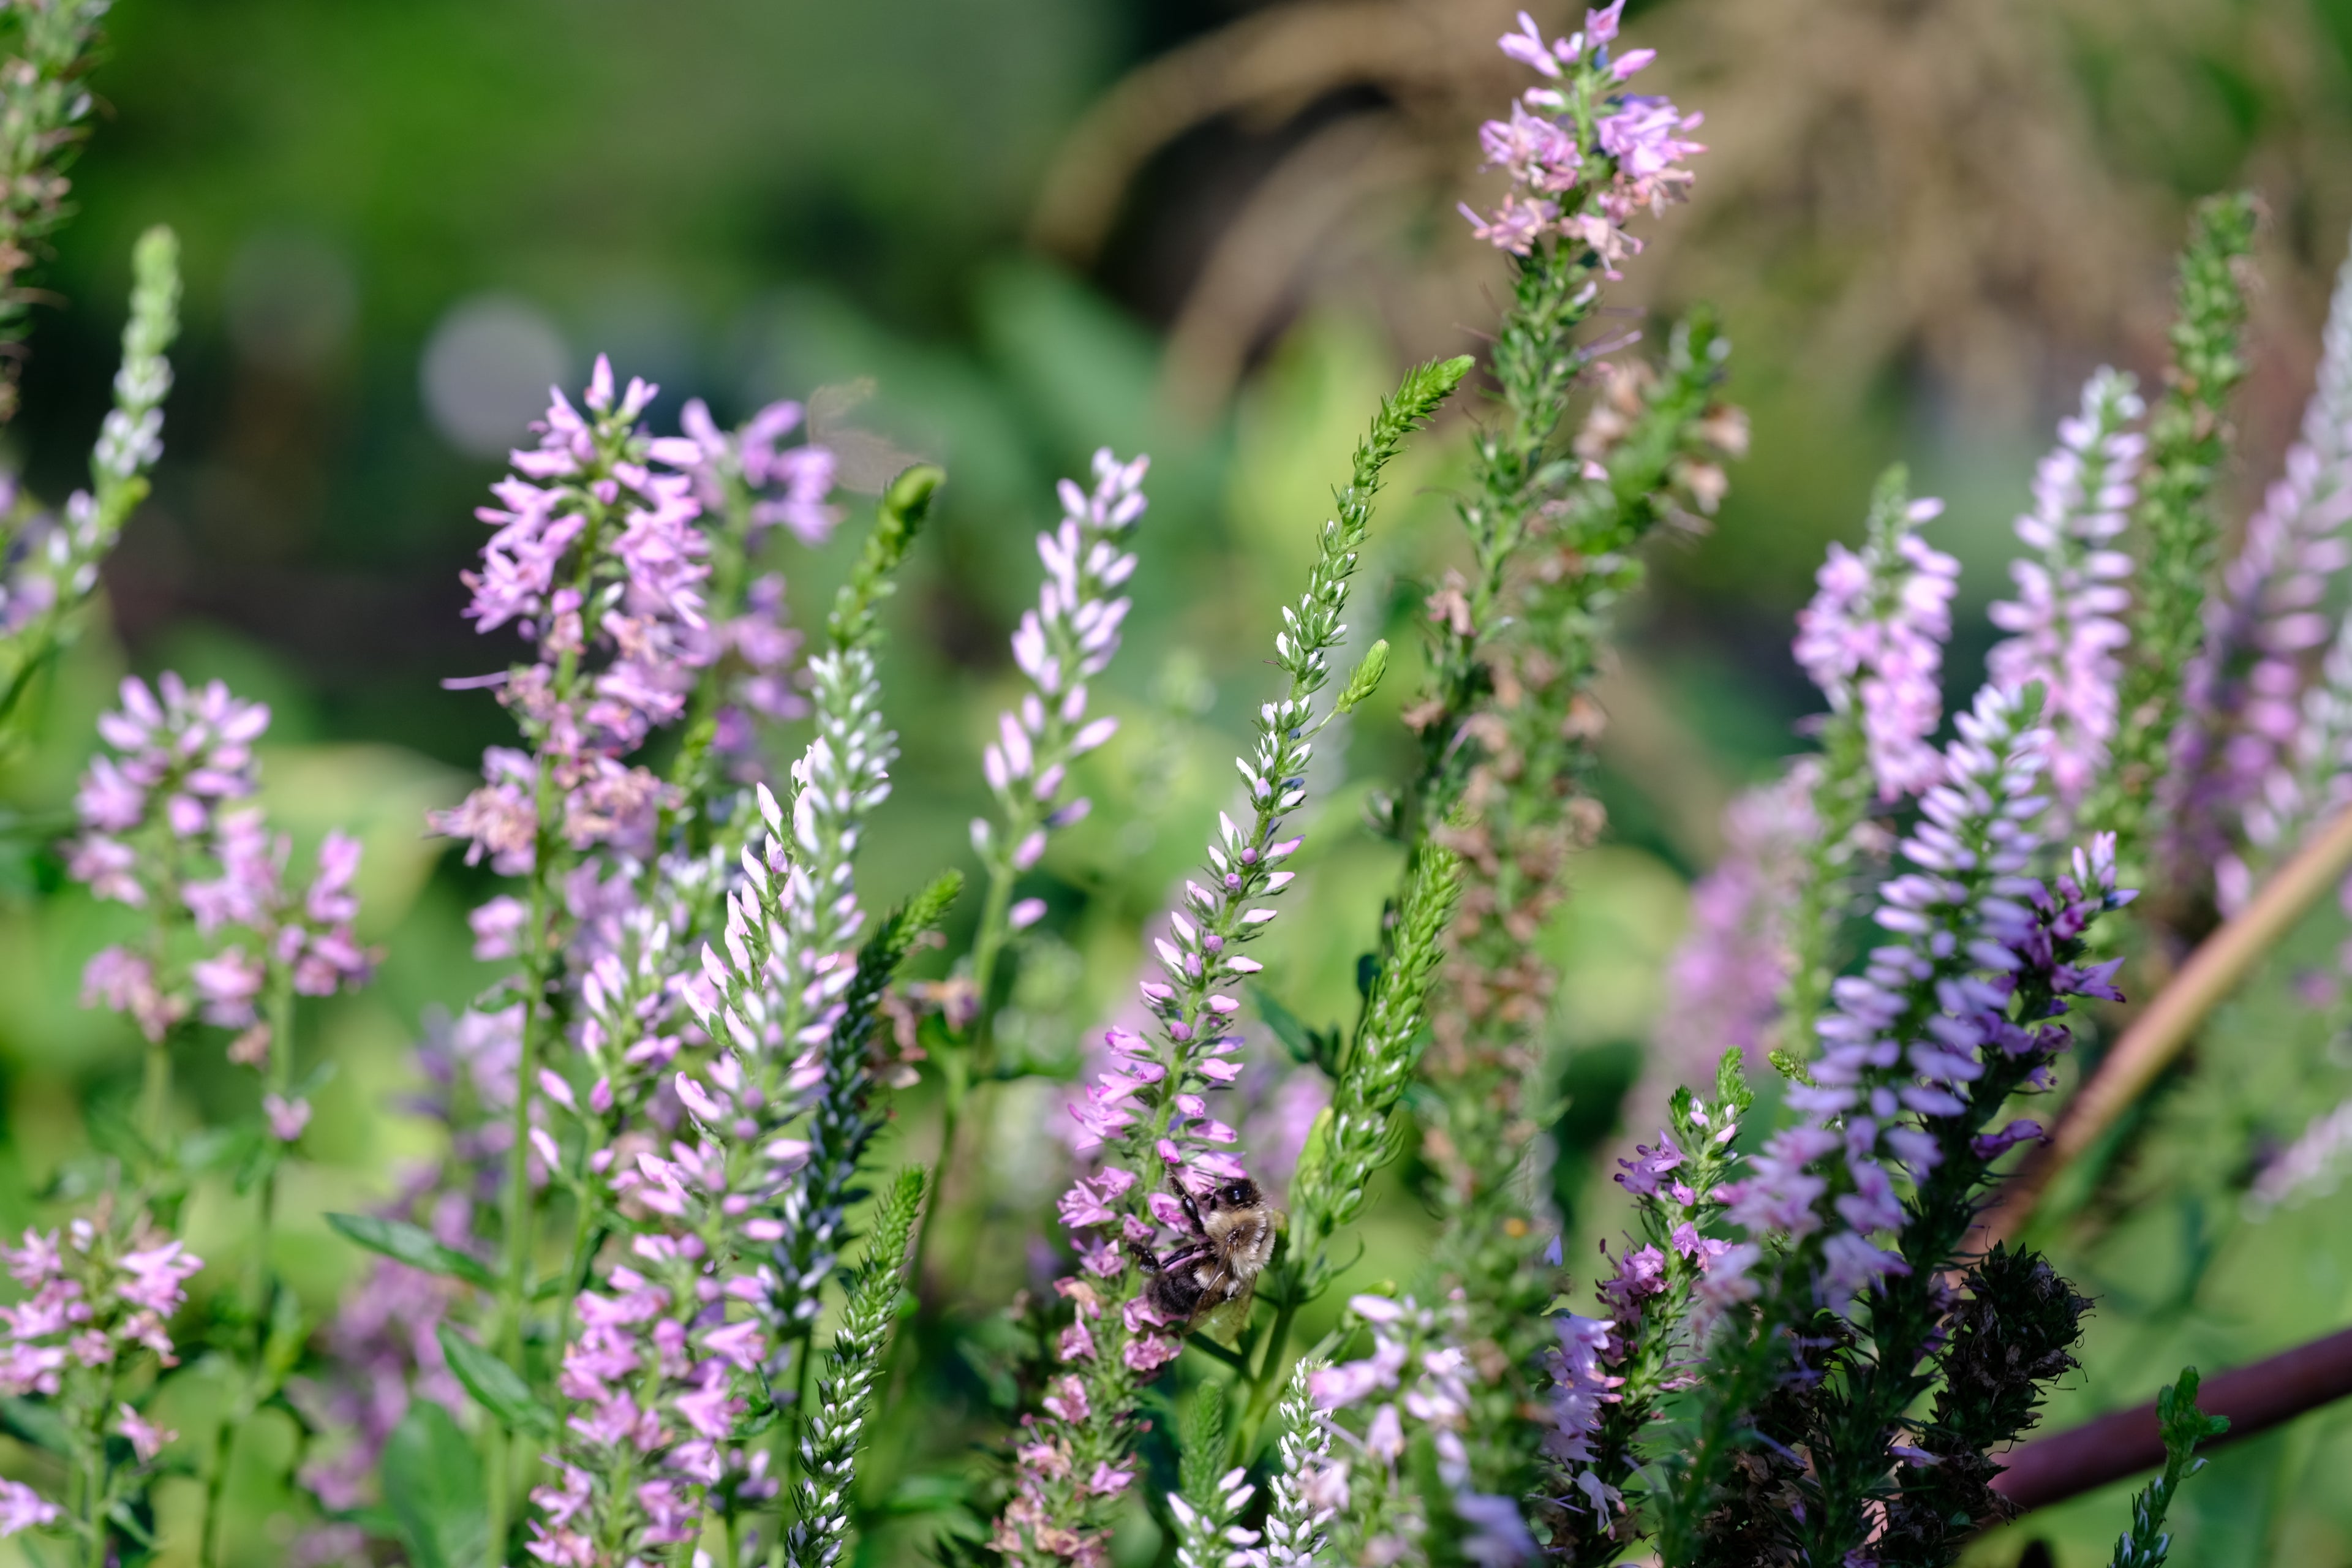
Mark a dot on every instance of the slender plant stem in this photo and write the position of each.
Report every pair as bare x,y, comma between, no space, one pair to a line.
971,1070
1266,1383
155,1092
259,1287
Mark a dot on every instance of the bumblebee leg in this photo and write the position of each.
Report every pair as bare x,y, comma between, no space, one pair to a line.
1192,1210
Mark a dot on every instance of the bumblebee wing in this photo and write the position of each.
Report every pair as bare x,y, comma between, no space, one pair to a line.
1223,1316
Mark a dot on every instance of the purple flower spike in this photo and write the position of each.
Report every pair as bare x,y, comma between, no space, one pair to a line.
2246,734
1873,640
1725,980
1067,640
2066,633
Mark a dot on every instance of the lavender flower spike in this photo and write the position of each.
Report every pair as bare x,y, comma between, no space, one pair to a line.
1957,913
1725,980
1070,638
2066,633
1151,1109
61,569
2242,717
2312,778
1873,640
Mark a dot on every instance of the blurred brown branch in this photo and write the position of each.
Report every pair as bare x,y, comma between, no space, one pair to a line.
2256,1398
1890,182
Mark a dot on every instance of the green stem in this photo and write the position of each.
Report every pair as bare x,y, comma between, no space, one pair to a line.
970,1068
213,1524
90,1470
155,1092
1267,1381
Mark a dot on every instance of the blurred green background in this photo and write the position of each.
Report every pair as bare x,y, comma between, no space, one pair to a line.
1212,231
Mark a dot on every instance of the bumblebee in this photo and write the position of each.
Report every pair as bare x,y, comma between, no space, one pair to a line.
1207,1279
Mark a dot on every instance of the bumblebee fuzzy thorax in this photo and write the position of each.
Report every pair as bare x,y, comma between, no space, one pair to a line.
1238,1224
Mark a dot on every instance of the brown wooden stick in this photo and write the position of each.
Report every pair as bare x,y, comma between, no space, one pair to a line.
2256,1398
2159,1034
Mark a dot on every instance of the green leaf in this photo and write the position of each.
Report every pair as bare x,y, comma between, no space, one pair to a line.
1288,1026
407,1243
433,1484
495,1386
36,1424
756,1423
289,1330
263,1155
1317,1048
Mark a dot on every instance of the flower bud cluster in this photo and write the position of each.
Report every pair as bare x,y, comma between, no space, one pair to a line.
2065,624
1208,1536
1584,157
1310,1486
776,1002
1069,638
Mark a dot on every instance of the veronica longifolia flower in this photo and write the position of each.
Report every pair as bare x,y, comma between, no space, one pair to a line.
177,753
1873,640
97,1298
787,485
2245,720
1725,980
1067,640
1910,1037
2066,633
1958,914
